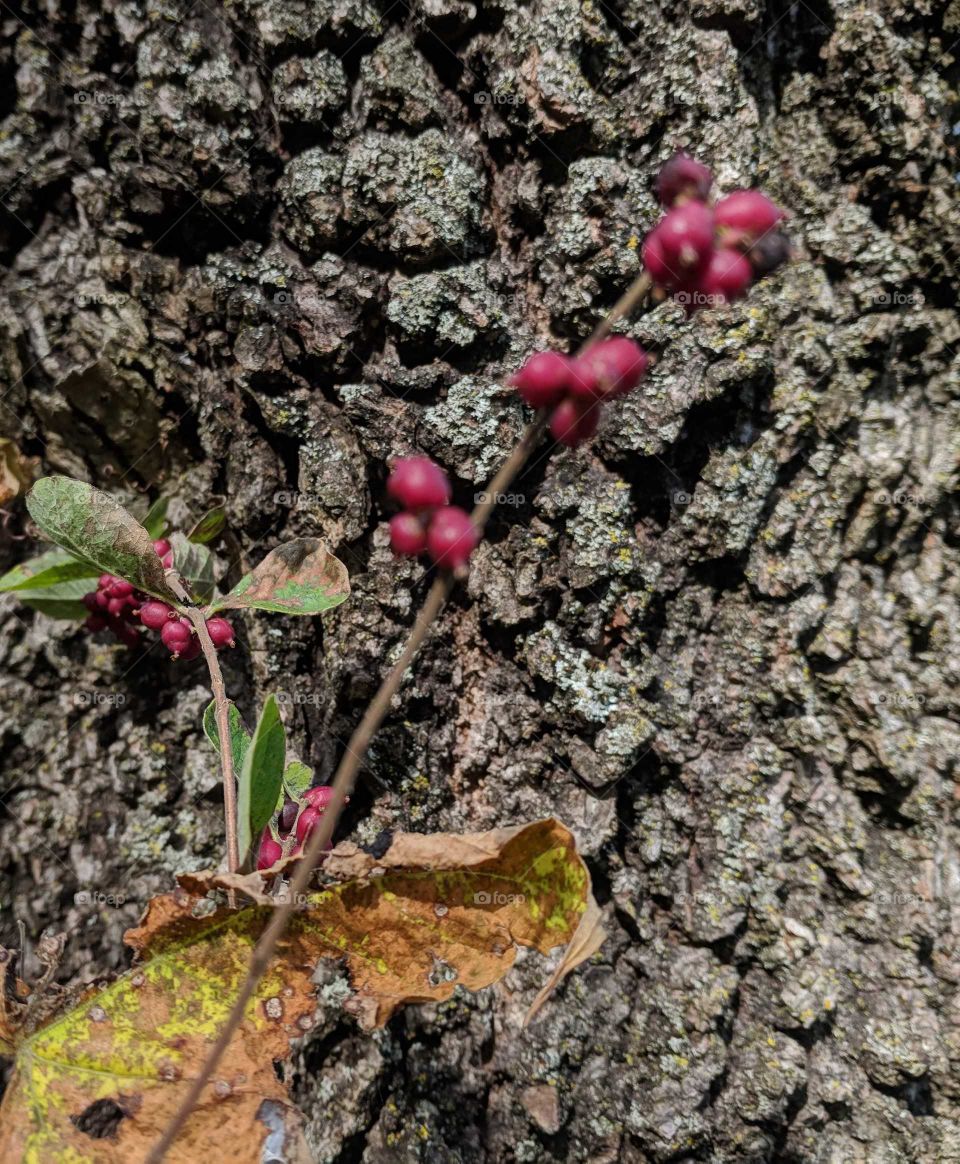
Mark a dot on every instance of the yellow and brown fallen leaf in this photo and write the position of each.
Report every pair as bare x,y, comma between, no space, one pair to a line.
99,1083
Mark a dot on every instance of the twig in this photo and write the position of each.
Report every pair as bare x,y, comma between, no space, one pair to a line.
222,709
357,747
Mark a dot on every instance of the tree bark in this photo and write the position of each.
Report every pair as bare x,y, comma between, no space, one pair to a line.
255,251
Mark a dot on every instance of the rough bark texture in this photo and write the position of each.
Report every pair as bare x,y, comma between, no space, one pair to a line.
256,249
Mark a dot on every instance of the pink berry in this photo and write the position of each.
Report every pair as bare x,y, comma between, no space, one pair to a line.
727,277
747,214
121,588
116,607
161,546
176,635
685,239
408,535
418,483
307,822
155,615
220,632
90,601
612,367
683,176
105,581
270,851
103,599
320,796
654,261
451,538
572,422
166,560
543,379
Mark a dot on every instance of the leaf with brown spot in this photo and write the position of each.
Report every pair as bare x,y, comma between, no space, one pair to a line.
298,577
94,527
99,1083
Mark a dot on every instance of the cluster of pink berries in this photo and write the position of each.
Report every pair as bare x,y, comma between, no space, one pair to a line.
429,523
705,254
118,606
297,819
575,386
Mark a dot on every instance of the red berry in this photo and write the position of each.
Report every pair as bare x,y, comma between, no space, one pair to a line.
573,422
417,483
726,278
683,176
769,252
191,650
685,239
288,817
105,581
166,560
307,822
407,534
612,367
543,379
654,261
320,796
126,634
91,601
451,538
95,623
270,851
220,632
161,546
103,599
116,607
176,635
121,588
747,214
156,615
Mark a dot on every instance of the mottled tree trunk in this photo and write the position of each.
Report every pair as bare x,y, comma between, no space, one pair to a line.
256,249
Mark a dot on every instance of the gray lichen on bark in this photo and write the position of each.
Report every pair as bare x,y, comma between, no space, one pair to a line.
253,253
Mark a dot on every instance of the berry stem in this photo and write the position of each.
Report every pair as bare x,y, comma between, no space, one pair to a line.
343,781
222,709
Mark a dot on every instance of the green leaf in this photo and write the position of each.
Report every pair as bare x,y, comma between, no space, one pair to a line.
297,778
71,609
156,519
194,564
261,776
239,736
52,584
208,526
298,577
96,528
48,570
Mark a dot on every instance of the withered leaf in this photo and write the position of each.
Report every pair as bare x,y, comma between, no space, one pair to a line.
411,926
298,577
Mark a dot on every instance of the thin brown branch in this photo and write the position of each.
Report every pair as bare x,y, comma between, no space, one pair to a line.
222,710
356,749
